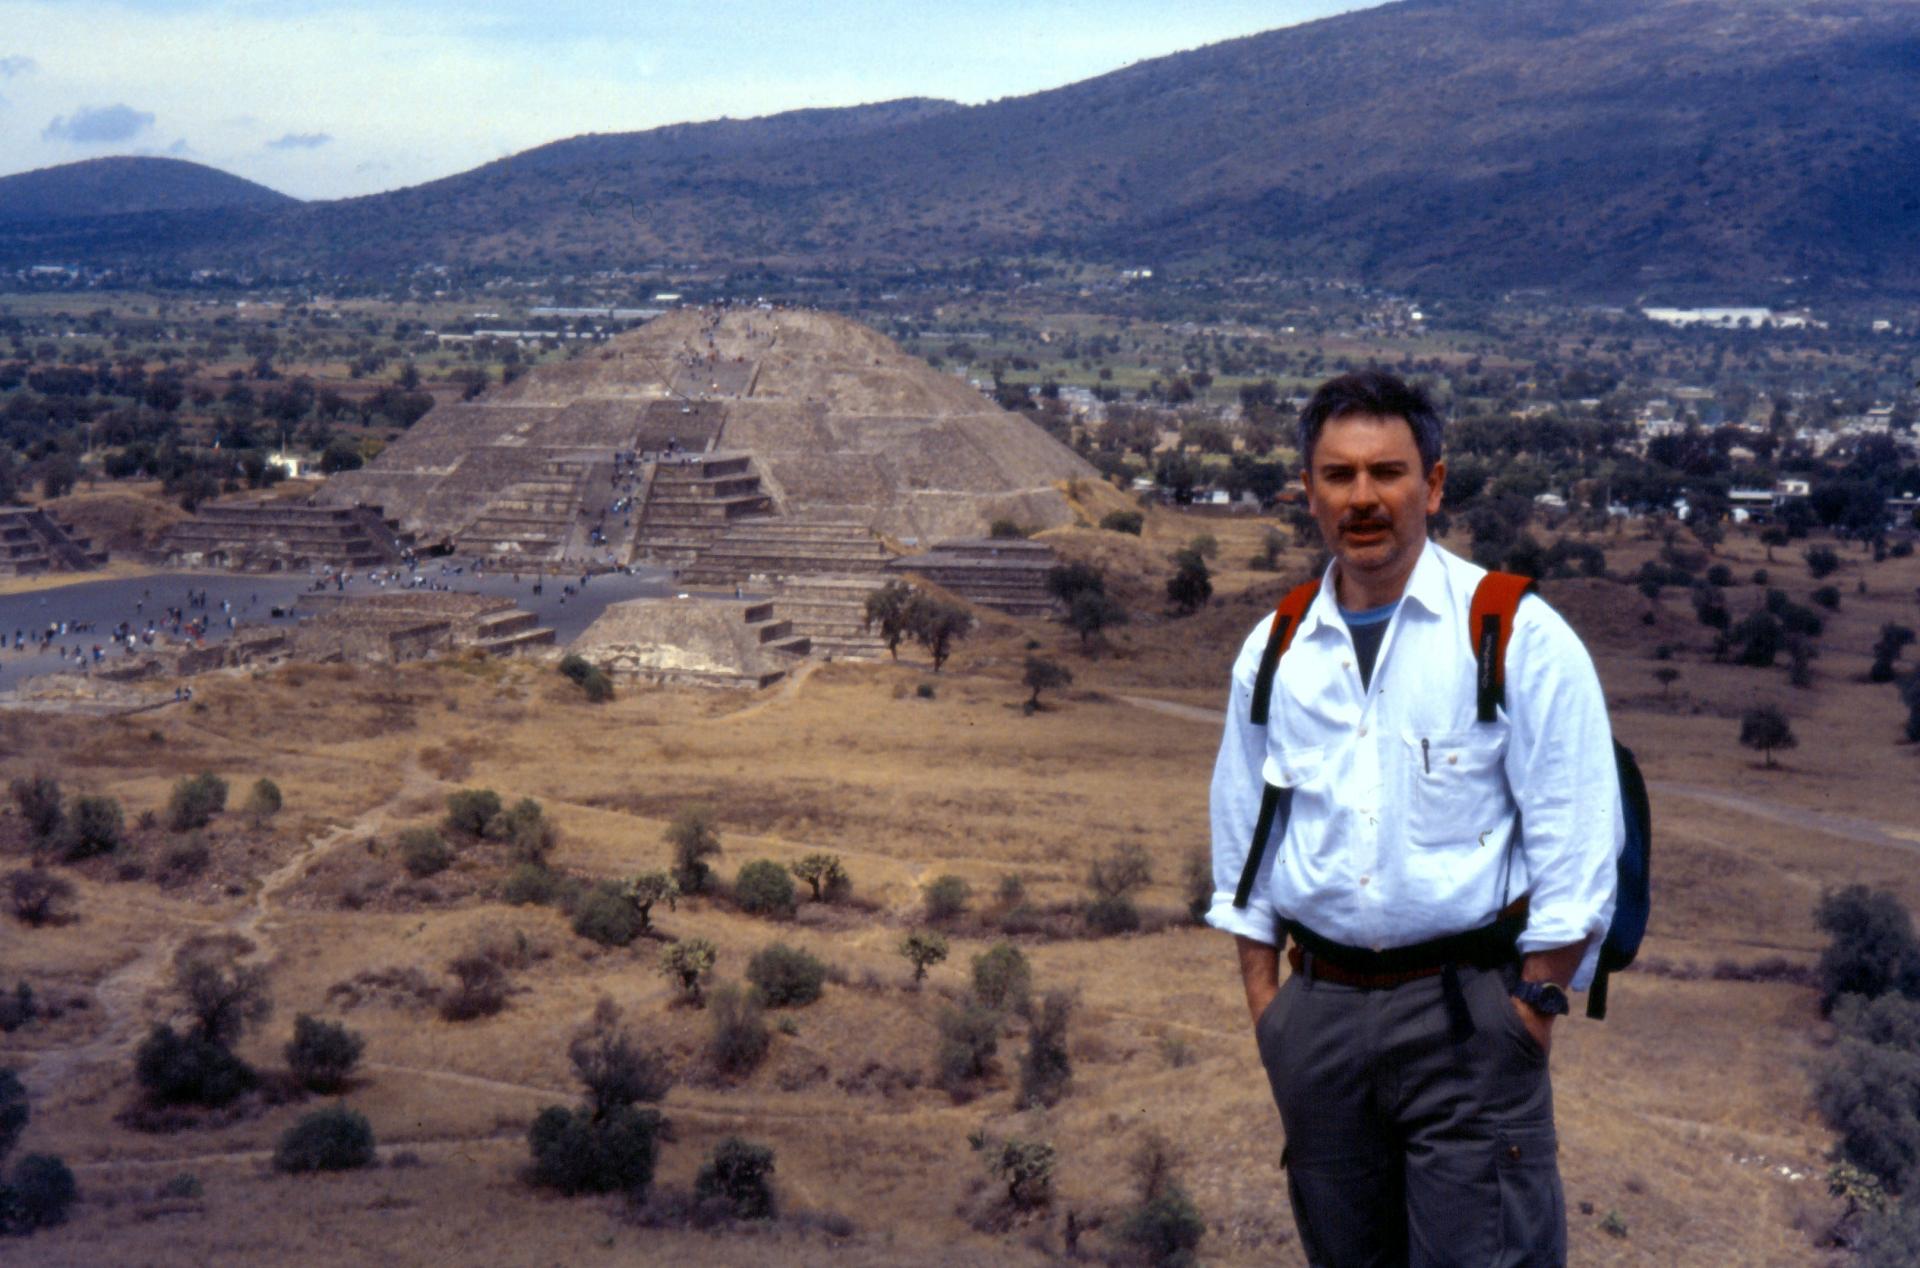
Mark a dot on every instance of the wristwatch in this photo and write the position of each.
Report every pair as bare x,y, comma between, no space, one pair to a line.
1544,998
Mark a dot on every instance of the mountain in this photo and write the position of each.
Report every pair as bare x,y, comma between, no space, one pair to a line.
1448,144
120,186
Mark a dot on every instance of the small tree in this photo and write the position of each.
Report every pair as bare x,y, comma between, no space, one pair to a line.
824,874
573,1153
1766,728
196,801
604,914
1873,952
764,888
969,1038
480,988
1123,522
687,963
1821,561
946,897
1666,676
38,798
1198,878
648,888
94,826
613,1067
38,896
887,608
1114,878
737,1174
1002,978
590,678
923,948
1191,585
223,995
1043,675
1045,1069
739,1038
525,828
936,625
332,1139
263,801
1091,612
1024,1166
694,839
322,1054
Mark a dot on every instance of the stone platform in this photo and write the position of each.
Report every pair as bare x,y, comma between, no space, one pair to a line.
1006,574
283,536
34,541
698,640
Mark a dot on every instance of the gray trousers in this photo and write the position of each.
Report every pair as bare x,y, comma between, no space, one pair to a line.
1409,1146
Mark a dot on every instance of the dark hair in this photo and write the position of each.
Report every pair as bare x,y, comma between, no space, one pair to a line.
1372,392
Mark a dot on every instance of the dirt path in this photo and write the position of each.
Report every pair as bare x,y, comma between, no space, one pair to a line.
1846,827
1174,709
122,996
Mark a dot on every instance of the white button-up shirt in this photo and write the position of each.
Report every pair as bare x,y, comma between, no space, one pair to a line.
1403,803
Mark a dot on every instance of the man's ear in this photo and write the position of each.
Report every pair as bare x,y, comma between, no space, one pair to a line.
1436,487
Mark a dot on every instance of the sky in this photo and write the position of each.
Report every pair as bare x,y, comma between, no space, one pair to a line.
333,98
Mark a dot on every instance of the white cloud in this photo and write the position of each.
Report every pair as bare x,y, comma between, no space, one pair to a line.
99,125
15,65
300,141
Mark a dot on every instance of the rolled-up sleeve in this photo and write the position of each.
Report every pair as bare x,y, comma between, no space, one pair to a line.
1235,807
1561,769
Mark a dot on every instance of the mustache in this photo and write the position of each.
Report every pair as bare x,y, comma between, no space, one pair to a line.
1363,524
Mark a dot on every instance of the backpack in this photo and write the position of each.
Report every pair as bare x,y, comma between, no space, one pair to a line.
1490,624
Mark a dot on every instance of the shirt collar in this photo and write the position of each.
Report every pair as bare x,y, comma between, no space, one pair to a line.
1427,586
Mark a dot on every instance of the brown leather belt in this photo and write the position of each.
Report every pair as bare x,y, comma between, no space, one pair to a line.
1327,972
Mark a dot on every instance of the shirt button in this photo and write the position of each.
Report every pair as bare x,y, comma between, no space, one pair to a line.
1363,733
1365,881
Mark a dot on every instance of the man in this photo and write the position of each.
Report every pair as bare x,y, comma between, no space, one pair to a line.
1443,880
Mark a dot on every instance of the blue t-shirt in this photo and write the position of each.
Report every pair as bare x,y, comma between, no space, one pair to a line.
1368,627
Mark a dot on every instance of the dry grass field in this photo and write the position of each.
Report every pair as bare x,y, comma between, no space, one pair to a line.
1686,1120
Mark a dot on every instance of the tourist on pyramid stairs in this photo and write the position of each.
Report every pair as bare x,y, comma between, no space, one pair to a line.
1363,811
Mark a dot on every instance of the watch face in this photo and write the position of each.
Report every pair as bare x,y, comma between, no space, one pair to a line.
1544,998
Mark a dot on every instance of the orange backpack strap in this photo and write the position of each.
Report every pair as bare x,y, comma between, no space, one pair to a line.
1286,623
1490,625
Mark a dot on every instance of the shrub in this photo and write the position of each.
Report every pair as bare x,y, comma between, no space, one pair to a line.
175,1069
1042,674
687,963
1828,597
530,883
1011,890
1024,1166
1873,951
604,914
41,1191
263,800
1065,581
38,896
1890,1239
526,828
17,1008
1123,522
739,1037
15,1113
1765,728
38,798
1197,880
825,875
94,826
1006,529
923,948
1821,561
182,859
1111,916
470,810
1869,1096
785,975
946,897
969,1038
693,839
1045,1069
322,1054
612,1066
332,1139
1720,575
195,801
1191,585
737,1174
1002,978
1121,871
574,1152
480,988
423,853
764,888
1165,1229
590,678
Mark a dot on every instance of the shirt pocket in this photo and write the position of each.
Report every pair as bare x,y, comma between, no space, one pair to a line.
1458,786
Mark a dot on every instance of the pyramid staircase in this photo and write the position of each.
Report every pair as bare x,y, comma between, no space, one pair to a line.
832,611
537,522
688,504
1006,574
35,541
776,547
